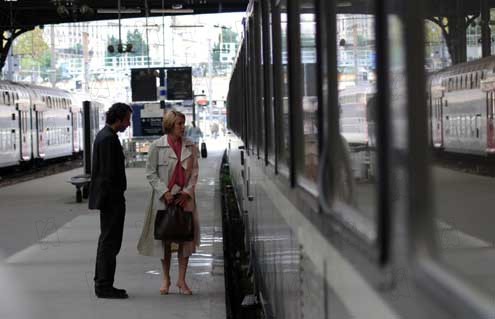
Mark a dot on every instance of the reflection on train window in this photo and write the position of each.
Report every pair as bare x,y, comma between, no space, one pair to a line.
309,89
268,68
356,170
463,171
284,138
260,88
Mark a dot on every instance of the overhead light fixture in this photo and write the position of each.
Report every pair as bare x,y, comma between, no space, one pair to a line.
187,25
177,6
171,10
117,11
343,4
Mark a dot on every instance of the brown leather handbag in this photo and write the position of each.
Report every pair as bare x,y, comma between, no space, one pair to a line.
174,224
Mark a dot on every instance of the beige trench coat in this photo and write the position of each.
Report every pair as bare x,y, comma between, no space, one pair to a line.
159,168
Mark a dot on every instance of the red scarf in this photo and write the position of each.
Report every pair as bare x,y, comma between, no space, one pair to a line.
179,176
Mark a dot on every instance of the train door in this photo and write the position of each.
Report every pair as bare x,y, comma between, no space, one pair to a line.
437,103
437,122
25,135
76,147
40,136
490,130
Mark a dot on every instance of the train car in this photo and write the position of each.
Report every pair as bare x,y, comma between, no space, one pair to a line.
98,108
321,244
51,122
461,102
40,123
14,146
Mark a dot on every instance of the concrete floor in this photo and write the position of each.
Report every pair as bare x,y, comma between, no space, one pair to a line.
48,245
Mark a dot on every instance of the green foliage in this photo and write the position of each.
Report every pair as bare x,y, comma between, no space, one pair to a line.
215,55
34,51
139,45
112,41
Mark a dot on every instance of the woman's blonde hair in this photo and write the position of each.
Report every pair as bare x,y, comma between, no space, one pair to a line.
169,120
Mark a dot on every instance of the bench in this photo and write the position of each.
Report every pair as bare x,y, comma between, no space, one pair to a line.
80,181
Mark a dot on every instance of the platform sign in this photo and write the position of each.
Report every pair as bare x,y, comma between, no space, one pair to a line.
179,84
151,119
147,119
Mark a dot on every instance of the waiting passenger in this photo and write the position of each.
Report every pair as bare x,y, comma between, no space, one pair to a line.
172,170
106,193
194,133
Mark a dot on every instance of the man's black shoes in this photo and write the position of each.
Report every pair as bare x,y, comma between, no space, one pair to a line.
111,293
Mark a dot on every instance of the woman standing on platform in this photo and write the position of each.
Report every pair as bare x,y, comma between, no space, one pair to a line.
172,170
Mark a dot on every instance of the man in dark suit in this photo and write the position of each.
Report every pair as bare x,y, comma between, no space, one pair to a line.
106,193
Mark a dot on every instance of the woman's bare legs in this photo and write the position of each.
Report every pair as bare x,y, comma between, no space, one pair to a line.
167,254
181,282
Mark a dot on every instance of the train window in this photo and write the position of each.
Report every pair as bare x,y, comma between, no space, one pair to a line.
310,107
477,125
283,118
259,83
472,125
268,79
355,161
447,125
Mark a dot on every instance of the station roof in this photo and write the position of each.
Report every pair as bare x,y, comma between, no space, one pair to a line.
29,13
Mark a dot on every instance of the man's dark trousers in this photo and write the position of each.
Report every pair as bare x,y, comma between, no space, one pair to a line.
112,228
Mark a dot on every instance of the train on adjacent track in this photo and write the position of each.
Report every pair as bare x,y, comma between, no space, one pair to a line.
40,123
461,105
461,102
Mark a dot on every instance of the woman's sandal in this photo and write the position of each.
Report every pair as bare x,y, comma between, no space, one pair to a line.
184,290
165,288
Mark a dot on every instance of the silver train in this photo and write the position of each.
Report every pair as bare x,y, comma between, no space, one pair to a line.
462,105
40,123
322,243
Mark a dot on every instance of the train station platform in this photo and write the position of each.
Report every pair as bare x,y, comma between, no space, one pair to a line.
48,243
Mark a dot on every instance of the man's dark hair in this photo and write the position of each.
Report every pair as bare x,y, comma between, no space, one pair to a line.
118,111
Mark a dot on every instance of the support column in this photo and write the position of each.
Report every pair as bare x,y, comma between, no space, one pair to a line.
460,42
486,41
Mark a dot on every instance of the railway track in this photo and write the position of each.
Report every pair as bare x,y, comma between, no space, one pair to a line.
468,163
10,176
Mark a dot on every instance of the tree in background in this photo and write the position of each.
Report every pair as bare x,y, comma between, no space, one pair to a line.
139,46
114,42
34,52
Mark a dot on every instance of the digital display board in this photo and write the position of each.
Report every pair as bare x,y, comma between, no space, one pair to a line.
143,84
179,83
